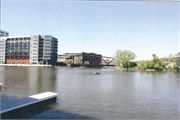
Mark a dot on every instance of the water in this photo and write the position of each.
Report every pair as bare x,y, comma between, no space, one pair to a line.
110,95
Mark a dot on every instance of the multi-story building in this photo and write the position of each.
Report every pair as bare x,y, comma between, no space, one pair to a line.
33,49
4,33
83,58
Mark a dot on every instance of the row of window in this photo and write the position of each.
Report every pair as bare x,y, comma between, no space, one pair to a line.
47,40
18,38
13,44
12,51
13,41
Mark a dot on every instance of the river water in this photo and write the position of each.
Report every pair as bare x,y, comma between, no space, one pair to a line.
110,95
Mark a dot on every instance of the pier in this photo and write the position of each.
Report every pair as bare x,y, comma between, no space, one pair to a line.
21,108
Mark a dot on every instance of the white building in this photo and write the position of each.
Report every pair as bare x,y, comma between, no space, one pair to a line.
33,49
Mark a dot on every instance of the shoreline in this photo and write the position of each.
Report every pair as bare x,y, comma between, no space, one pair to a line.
136,69
114,68
25,65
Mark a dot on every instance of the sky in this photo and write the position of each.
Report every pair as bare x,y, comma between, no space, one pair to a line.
102,27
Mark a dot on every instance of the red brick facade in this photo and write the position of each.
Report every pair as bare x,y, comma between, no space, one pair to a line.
16,59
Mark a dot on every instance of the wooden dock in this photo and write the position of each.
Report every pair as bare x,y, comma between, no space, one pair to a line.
22,108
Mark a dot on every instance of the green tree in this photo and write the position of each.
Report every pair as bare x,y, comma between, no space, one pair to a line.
158,64
133,64
117,59
124,58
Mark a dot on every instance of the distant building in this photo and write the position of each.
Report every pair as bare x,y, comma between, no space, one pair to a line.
83,58
4,33
32,49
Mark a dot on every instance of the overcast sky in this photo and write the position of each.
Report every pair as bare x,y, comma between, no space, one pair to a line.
102,27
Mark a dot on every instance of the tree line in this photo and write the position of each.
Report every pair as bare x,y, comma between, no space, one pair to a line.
125,59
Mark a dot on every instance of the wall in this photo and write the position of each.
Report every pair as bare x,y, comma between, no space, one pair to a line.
25,61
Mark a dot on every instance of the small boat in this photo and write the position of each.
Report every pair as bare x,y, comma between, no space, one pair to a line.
1,84
96,73
89,72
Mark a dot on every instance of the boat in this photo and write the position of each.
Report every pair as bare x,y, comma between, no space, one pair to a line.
89,72
97,73
1,84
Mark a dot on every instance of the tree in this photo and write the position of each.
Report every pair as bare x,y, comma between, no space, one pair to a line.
124,57
117,59
156,63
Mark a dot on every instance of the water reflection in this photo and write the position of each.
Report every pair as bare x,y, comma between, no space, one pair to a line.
24,81
41,79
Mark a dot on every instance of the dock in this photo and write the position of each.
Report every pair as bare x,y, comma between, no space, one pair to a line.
22,108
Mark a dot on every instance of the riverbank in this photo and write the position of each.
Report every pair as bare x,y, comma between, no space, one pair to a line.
136,69
132,69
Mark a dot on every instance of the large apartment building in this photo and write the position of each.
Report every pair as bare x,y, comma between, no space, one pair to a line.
33,49
4,33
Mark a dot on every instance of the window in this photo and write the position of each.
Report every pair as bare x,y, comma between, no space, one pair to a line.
46,56
48,50
47,39
47,46
47,36
47,53
47,43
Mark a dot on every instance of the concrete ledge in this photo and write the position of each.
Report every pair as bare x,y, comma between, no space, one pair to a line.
22,108
27,65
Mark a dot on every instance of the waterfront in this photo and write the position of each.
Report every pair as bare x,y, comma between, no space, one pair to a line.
110,95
